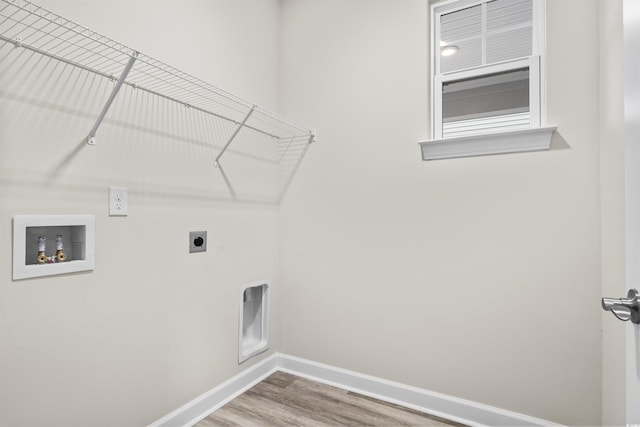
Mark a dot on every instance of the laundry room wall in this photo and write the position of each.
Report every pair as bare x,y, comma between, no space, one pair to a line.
153,326
475,277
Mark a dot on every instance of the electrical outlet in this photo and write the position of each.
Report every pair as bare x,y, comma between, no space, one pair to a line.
118,201
197,241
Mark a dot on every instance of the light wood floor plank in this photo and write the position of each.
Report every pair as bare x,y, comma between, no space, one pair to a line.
288,400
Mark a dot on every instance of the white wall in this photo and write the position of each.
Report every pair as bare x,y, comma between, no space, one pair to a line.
631,23
478,277
153,326
449,275
612,175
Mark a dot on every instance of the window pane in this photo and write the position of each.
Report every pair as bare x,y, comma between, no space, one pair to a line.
461,24
469,55
495,102
463,29
509,29
508,13
509,45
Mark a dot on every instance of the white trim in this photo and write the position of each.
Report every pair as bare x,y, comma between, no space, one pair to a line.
203,405
536,139
481,70
438,404
631,61
437,125
535,107
434,64
443,6
539,49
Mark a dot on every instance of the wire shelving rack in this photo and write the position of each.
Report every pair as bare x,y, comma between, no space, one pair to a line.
29,26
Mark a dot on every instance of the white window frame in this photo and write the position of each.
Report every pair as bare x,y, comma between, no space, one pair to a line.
537,81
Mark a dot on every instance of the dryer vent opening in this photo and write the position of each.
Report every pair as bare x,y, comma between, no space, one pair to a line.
254,320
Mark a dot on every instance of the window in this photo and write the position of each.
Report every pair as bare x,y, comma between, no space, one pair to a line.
486,58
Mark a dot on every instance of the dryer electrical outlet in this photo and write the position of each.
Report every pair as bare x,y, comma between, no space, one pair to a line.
197,241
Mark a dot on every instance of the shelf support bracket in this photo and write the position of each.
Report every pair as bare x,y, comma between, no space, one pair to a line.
312,138
91,139
240,126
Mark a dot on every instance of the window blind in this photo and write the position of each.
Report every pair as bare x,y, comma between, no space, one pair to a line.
489,32
509,29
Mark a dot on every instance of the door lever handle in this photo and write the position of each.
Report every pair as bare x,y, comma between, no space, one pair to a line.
624,308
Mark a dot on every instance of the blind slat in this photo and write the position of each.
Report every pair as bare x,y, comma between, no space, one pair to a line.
500,123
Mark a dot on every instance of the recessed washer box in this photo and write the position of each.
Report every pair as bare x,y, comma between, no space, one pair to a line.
254,319
76,233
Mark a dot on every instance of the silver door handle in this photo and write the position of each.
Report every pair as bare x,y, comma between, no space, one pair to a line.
624,308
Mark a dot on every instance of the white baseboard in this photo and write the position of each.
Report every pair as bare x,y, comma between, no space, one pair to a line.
449,407
438,404
198,409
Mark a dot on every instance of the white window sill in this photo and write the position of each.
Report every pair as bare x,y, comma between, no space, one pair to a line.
536,139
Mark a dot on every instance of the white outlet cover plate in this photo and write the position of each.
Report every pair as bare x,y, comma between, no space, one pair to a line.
118,201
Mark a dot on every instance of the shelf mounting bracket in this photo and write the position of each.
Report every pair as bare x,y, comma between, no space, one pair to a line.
240,126
91,139
312,138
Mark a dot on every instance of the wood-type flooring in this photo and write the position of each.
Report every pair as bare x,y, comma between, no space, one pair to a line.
283,399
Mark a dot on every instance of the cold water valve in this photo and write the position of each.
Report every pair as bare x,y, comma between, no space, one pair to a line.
60,256
624,308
